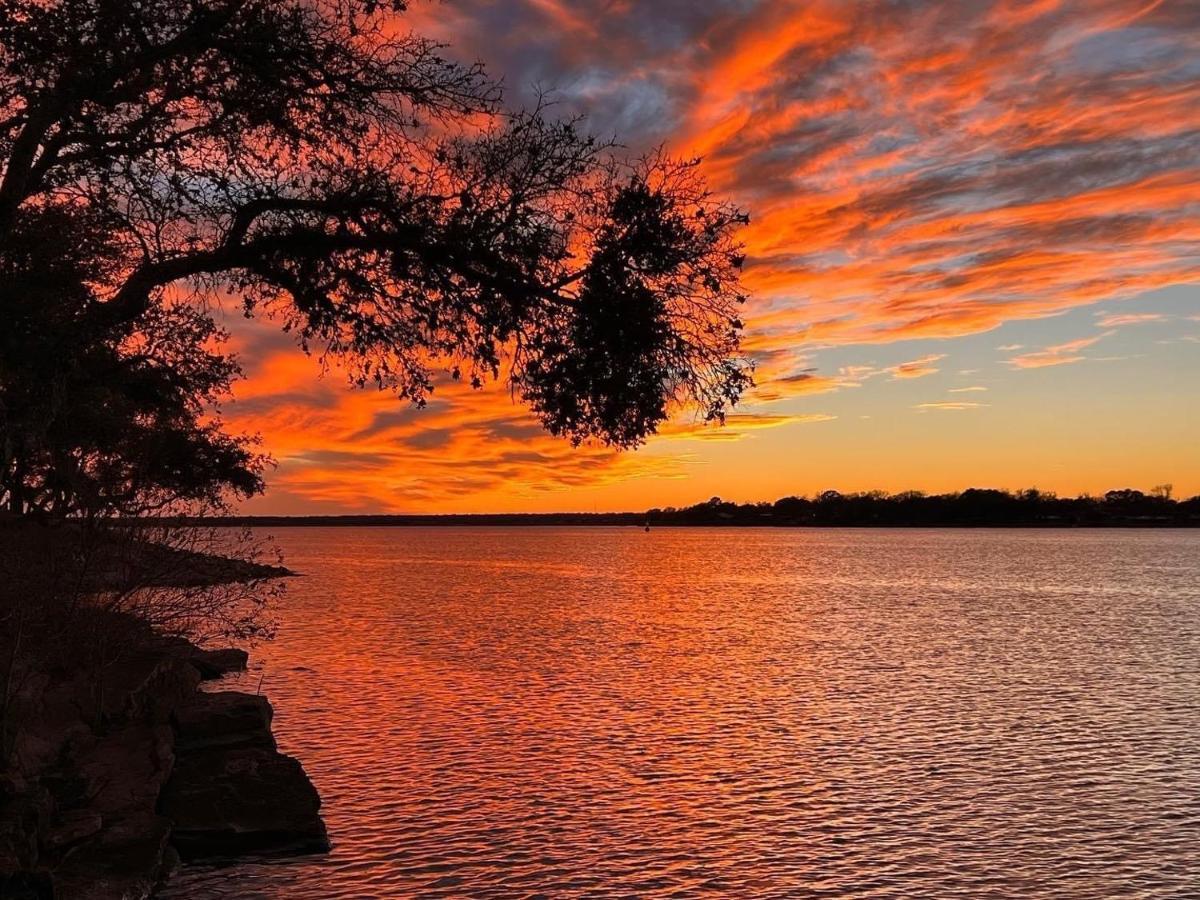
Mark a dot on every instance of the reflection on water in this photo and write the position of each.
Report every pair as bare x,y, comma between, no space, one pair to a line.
790,713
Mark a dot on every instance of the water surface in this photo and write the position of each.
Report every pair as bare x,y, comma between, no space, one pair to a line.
569,712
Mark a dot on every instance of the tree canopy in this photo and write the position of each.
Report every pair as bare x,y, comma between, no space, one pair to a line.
342,175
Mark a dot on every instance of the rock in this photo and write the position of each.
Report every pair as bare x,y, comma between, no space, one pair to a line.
106,761
66,784
26,886
151,686
48,717
216,663
171,862
18,839
231,792
12,786
209,664
88,802
223,719
22,820
71,828
125,771
124,862
247,800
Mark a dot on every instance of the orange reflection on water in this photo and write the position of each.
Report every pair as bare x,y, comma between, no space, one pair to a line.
711,712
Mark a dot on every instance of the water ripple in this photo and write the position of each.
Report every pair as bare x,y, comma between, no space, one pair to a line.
721,713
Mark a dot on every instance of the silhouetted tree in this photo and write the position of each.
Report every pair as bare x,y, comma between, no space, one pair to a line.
1162,491
1126,502
335,172
92,419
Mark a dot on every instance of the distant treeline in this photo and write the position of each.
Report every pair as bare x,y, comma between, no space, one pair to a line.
976,506
973,507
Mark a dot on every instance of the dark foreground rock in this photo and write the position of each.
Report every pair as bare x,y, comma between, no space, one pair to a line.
216,663
231,792
245,800
226,719
125,862
103,812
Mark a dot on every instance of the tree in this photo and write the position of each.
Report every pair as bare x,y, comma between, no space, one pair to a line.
1126,499
94,420
334,172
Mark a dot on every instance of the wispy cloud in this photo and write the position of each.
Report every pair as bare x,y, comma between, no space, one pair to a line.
917,368
1058,354
967,390
738,425
1122,319
950,406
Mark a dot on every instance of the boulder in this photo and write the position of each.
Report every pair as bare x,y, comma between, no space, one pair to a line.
147,686
223,719
106,761
226,802
123,862
124,771
47,716
217,663
22,820
71,828
13,785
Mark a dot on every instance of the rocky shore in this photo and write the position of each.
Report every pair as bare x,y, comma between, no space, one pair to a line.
104,808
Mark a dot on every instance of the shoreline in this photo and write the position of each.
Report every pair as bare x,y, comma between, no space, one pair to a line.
171,774
638,522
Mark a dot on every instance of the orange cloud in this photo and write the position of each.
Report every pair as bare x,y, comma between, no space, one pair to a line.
914,170
918,368
736,426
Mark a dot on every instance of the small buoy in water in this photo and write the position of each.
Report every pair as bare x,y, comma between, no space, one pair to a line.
647,526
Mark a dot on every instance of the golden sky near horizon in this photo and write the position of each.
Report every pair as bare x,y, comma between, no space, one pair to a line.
974,257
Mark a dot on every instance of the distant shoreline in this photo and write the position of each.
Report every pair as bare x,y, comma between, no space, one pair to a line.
631,520
972,508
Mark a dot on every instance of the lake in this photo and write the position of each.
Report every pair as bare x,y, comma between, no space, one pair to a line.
571,712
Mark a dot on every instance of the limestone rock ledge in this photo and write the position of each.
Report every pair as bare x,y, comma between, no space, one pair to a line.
232,792
176,772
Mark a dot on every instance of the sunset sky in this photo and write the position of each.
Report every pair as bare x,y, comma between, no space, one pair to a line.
974,257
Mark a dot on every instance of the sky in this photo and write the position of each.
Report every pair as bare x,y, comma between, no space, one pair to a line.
974,258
